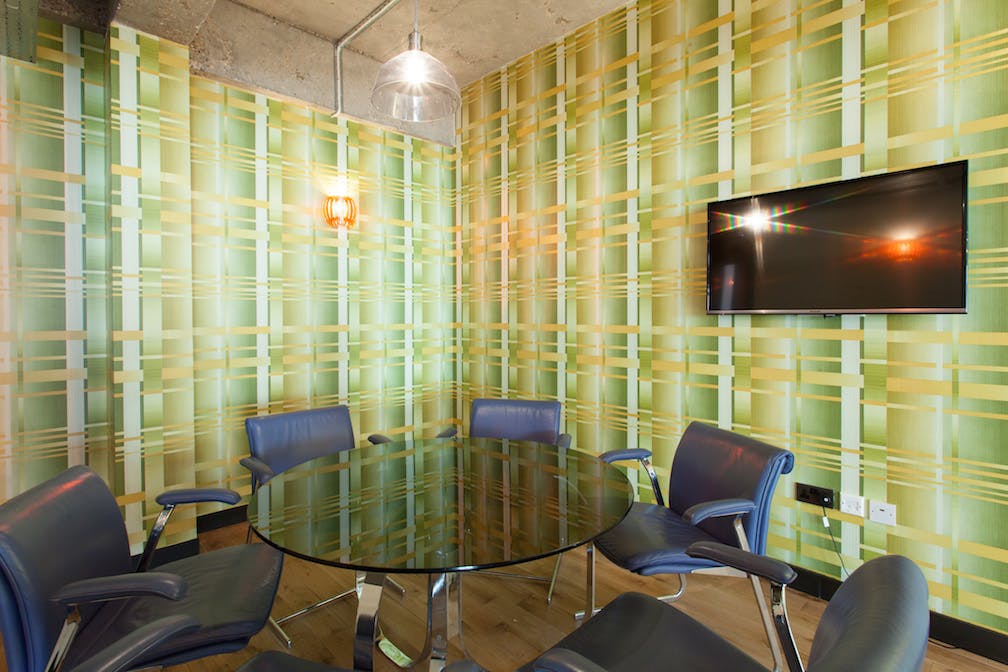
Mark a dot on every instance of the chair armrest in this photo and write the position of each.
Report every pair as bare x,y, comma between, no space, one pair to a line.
447,433
564,440
120,655
564,660
261,472
717,508
169,500
625,454
375,439
193,495
104,588
643,456
773,570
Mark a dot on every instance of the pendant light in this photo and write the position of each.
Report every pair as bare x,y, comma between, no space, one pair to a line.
415,86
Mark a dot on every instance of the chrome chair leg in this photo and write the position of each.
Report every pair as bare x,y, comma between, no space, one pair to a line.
773,637
279,632
276,625
589,609
553,580
677,594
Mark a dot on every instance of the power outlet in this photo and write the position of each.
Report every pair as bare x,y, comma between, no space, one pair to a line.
882,512
813,494
852,504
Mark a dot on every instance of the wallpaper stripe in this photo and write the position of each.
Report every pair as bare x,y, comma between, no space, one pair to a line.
8,214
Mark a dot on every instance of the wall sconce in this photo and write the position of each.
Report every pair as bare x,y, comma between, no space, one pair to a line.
339,211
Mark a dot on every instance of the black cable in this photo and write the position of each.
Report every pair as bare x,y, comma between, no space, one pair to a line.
836,547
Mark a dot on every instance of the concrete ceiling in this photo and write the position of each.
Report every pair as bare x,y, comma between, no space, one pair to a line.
286,46
471,37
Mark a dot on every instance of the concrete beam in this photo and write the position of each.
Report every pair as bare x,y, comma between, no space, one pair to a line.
241,45
177,20
93,15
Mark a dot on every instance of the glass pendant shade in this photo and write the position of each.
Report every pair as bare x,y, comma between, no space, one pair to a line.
415,86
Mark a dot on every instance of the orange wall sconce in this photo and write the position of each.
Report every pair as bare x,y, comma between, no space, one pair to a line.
339,211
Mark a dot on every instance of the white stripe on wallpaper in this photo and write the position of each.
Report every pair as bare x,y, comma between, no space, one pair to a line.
726,156
633,238
343,316
561,228
262,250
790,362
7,188
412,215
343,269
850,350
130,245
73,243
943,152
506,104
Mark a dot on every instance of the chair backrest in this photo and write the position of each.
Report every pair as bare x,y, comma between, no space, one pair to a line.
877,620
712,463
66,529
517,419
285,440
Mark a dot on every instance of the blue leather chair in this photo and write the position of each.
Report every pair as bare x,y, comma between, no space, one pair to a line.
68,589
720,488
280,441
877,620
518,420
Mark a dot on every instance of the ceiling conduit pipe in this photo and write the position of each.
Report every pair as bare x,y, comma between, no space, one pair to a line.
365,23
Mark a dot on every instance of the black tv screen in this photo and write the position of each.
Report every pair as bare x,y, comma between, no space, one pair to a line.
893,243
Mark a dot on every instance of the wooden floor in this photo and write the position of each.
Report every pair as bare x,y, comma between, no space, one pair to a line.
505,622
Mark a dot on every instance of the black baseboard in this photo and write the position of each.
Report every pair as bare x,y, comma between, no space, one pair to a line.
204,523
171,553
944,629
222,518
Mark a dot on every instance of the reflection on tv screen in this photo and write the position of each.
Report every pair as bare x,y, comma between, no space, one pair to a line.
887,243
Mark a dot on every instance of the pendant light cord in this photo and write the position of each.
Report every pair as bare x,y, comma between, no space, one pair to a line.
416,11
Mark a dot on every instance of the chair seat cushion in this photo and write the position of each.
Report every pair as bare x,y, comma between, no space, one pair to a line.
230,593
653,539
664,639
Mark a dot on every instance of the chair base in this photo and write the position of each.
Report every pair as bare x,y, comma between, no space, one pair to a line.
276,625
532,577
667,599
766,614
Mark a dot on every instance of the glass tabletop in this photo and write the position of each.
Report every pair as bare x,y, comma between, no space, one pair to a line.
440,505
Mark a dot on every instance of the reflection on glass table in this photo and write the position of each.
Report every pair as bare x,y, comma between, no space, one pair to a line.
436,507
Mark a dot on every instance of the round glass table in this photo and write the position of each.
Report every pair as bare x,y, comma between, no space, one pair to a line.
436,506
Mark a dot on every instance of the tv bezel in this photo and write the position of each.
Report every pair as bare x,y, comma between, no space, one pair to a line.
826,312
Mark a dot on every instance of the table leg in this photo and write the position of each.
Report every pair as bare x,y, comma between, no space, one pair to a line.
437,621
368,636
589,609
369,591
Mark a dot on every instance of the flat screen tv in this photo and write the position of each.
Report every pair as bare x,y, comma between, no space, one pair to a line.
893,243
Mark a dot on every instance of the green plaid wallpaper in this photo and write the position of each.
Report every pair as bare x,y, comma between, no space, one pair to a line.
165,272
585,169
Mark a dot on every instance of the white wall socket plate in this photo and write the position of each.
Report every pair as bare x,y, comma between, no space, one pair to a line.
852,504
882,512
